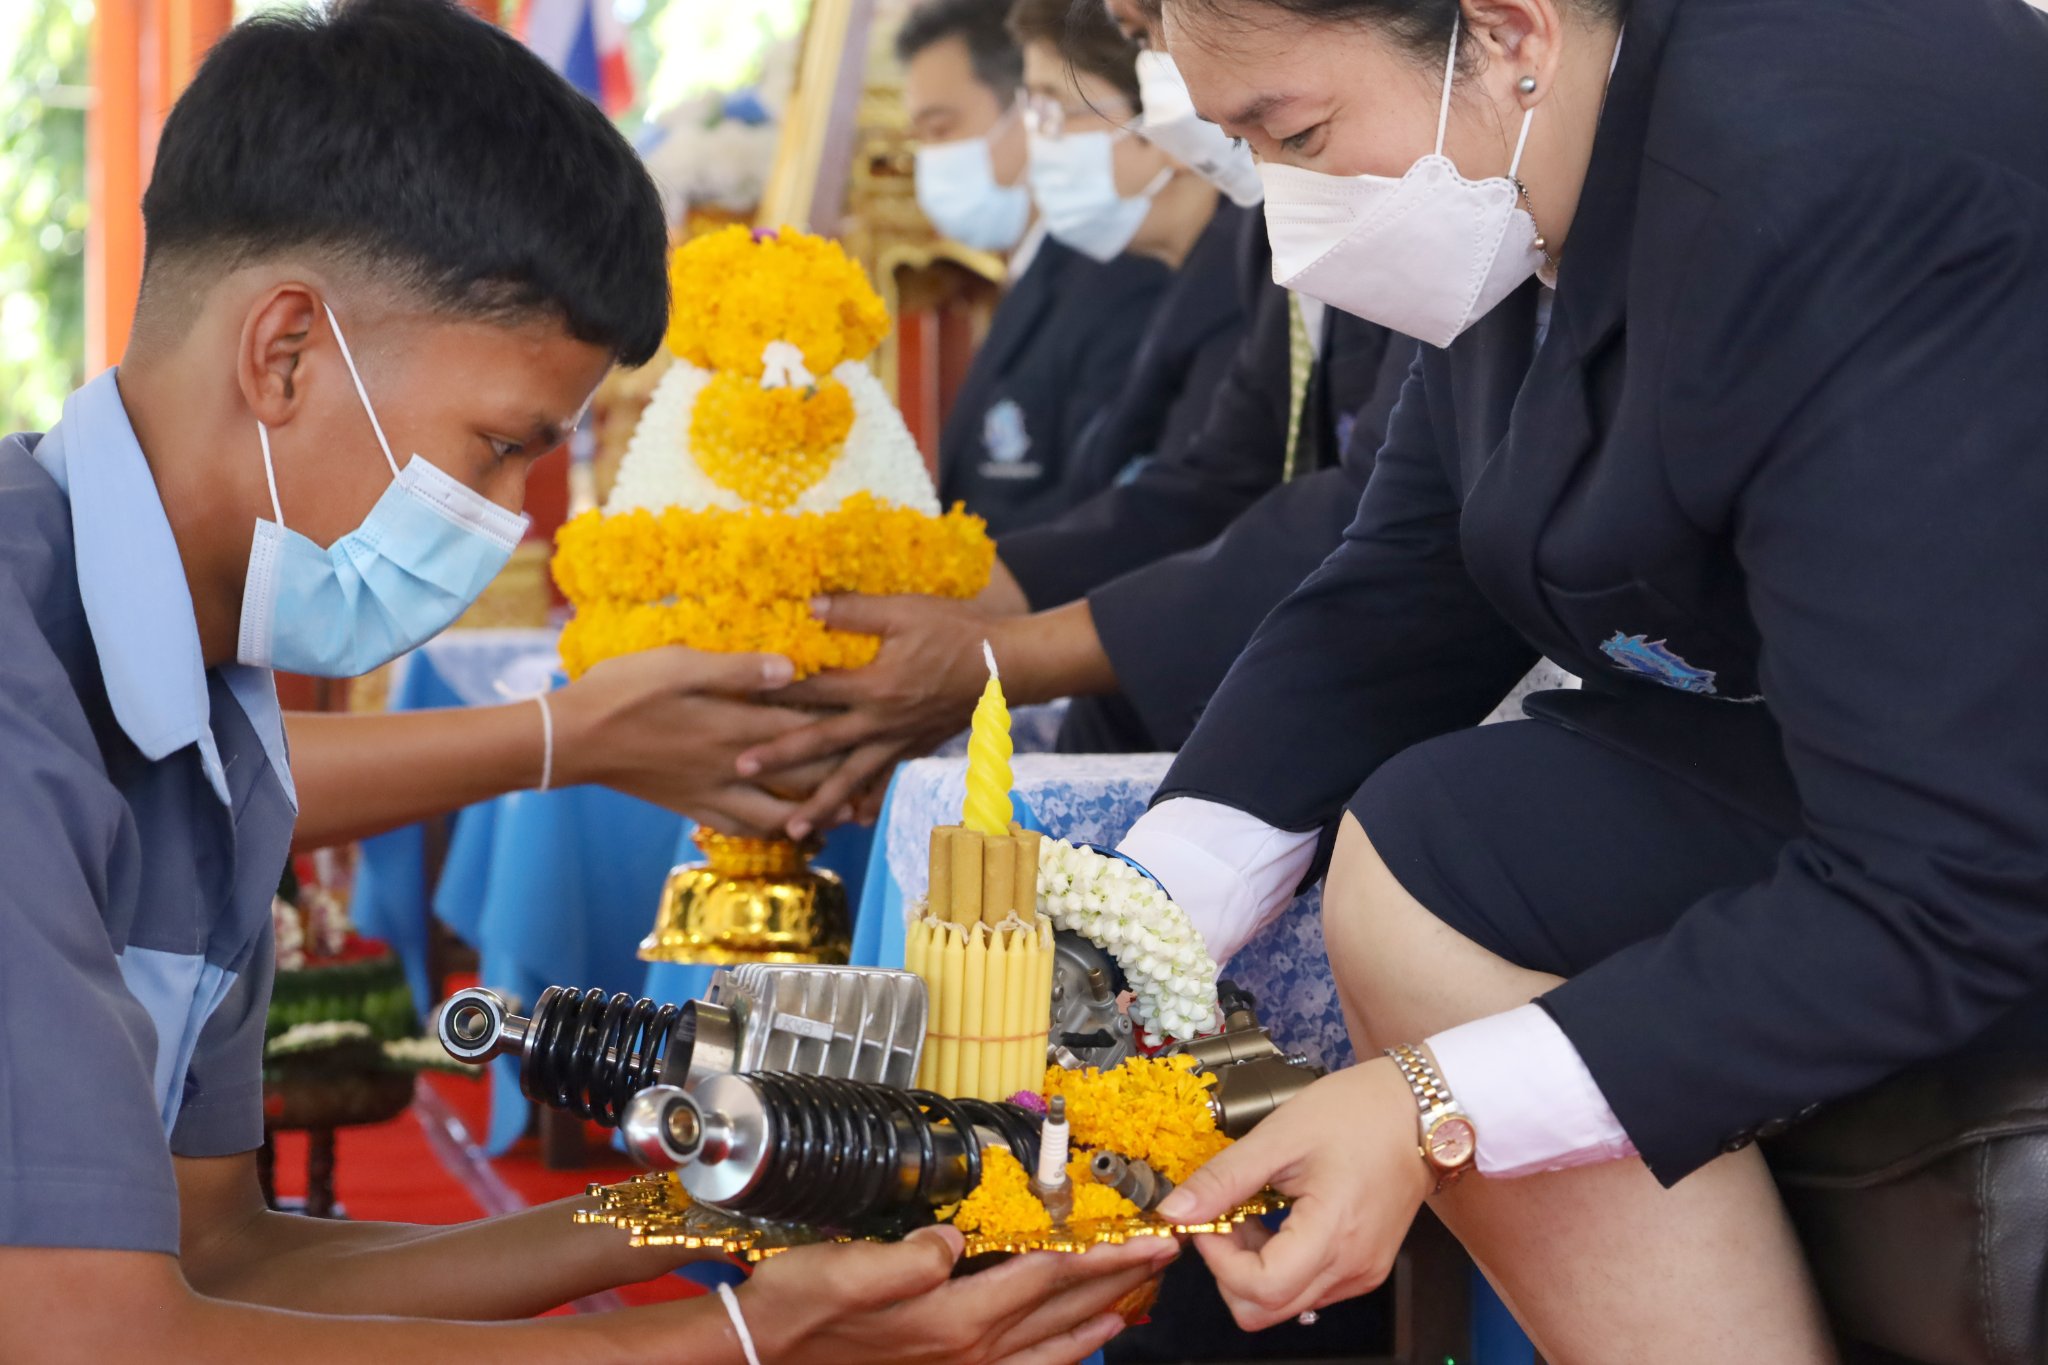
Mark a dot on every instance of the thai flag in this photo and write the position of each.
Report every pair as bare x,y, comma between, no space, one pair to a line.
584,40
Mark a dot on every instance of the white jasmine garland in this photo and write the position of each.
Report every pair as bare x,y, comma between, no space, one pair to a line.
312,1037
1114,906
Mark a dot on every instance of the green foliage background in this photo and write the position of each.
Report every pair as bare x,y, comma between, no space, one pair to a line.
43,49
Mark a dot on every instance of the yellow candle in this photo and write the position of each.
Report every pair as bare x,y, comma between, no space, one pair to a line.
938,900
996,1013
1023,975
968,849
1041,1018
988,758
973,1012
950,956
913,962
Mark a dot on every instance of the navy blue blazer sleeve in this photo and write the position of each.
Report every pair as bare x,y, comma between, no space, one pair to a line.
1169,672
1099,358
1178,503
1386,644
1871,382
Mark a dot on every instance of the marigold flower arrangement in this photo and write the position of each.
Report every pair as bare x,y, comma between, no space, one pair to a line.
1151,1109
770,468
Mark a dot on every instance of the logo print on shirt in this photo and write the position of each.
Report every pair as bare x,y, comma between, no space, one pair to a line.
1002,431
1653,659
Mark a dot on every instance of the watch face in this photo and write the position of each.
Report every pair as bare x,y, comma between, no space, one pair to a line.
1451,1141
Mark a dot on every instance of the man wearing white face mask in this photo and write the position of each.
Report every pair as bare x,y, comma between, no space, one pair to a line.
1062,337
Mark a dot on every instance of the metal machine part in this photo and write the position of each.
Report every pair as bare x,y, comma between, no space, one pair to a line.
1253,1076
1086,1022
581,1051
854,1023
1135,1180
830,1153
589,1054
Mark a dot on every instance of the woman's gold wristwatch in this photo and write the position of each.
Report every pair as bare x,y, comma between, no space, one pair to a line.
1449,1141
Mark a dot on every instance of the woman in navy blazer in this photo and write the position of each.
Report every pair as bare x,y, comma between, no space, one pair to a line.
1771,474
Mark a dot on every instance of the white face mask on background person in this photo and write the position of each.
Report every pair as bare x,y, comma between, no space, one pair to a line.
1171,124
1426,254
425,552
1073,182
957,189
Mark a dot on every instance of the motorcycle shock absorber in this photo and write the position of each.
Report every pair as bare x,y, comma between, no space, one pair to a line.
580,1051
812,1149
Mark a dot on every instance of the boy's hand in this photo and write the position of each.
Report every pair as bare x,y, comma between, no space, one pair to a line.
862,1302
666,725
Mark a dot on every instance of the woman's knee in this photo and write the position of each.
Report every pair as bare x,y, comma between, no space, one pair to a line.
1404,971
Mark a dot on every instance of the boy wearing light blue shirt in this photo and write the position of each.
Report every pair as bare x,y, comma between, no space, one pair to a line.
399,177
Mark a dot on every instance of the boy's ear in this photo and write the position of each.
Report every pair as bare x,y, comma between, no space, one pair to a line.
275,335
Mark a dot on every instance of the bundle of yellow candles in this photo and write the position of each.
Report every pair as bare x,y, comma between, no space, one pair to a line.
981,947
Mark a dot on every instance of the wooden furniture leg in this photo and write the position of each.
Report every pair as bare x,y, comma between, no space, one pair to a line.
561,1141
320,1172
266,1171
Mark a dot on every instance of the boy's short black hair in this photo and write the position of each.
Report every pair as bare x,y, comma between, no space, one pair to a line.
997,62
425,147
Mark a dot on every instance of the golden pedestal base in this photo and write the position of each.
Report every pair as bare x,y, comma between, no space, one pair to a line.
752,900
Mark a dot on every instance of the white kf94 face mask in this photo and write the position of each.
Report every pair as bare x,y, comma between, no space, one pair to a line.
1171,124
1426,254
428,548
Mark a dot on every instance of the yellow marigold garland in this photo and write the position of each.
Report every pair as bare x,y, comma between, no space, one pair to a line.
732,292
1002,1205
1154,1108
742,581
768,445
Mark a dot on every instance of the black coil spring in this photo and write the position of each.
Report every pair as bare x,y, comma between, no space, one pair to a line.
841,1146
591,1053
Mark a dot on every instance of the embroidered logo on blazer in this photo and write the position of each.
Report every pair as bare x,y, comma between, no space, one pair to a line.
1002,431
1653,659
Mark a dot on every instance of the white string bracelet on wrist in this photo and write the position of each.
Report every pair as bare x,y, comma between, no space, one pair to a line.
739,1322
547,742
547,728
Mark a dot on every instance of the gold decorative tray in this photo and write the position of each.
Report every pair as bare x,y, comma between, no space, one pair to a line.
653,1211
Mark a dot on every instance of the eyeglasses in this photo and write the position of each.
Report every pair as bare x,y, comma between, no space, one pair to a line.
1047,117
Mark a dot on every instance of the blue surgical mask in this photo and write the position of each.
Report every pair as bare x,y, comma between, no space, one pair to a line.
426,551
1073,181
957,189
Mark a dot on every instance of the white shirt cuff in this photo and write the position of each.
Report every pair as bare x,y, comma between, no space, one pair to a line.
1531,1099
1231,872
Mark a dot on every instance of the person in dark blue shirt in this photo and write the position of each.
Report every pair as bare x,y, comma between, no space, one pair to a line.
1065,329
380,229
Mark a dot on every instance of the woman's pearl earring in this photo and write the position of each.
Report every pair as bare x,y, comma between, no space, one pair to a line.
1527,85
